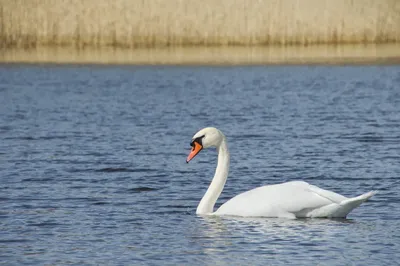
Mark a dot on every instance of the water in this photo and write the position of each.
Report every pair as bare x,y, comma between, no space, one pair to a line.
93,172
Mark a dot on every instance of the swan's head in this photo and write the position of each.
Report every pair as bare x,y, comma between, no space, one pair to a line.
205,138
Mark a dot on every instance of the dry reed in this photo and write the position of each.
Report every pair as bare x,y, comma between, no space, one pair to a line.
148,23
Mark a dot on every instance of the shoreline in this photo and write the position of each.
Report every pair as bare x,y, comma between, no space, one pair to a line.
252,55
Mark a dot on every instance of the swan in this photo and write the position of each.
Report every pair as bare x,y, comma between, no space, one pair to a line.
295,199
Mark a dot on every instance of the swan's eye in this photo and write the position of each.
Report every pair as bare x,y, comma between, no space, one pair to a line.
198,140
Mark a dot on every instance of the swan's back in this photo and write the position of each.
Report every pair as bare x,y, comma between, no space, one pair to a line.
291,199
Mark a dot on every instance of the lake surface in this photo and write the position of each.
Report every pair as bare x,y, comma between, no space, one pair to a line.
93,171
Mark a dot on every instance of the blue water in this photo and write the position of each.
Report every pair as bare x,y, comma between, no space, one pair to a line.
93,171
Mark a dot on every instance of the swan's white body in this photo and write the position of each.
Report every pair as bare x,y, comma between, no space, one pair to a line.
296,199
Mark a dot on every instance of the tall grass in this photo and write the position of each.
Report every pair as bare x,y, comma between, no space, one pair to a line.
148,23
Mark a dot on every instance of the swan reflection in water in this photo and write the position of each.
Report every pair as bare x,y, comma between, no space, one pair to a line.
221,237
217,226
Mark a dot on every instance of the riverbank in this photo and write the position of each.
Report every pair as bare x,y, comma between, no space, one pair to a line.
321,54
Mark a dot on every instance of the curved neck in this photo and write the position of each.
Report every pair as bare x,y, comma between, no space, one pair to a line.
206,205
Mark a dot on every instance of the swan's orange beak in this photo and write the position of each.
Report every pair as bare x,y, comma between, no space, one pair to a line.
195,150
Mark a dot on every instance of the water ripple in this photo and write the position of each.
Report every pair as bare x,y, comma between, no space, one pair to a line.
141,189
93,171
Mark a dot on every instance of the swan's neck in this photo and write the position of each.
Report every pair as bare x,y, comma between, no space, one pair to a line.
206,205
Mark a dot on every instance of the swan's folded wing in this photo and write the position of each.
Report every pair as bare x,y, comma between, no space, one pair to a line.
332,196
278,200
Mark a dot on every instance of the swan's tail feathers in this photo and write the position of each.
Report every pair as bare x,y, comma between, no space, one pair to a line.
347,205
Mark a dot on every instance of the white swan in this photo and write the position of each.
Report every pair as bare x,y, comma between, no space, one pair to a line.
296,199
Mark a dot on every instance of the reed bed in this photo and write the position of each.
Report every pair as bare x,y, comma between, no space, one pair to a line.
151,23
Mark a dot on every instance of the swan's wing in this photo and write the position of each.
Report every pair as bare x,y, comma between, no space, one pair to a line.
279,200
330,195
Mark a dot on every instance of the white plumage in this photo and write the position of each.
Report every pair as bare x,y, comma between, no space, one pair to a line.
296,199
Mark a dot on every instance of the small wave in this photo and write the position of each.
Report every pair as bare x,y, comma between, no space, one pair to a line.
123,169
100,203
157,175
251,136
183,172
177,206
89,199
372,139
323,177
133,220
52,137
96,154
79,170
31,179
131,148
142,189
44,224
15,240
188,212
5,128
111,170
21,138
36,138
